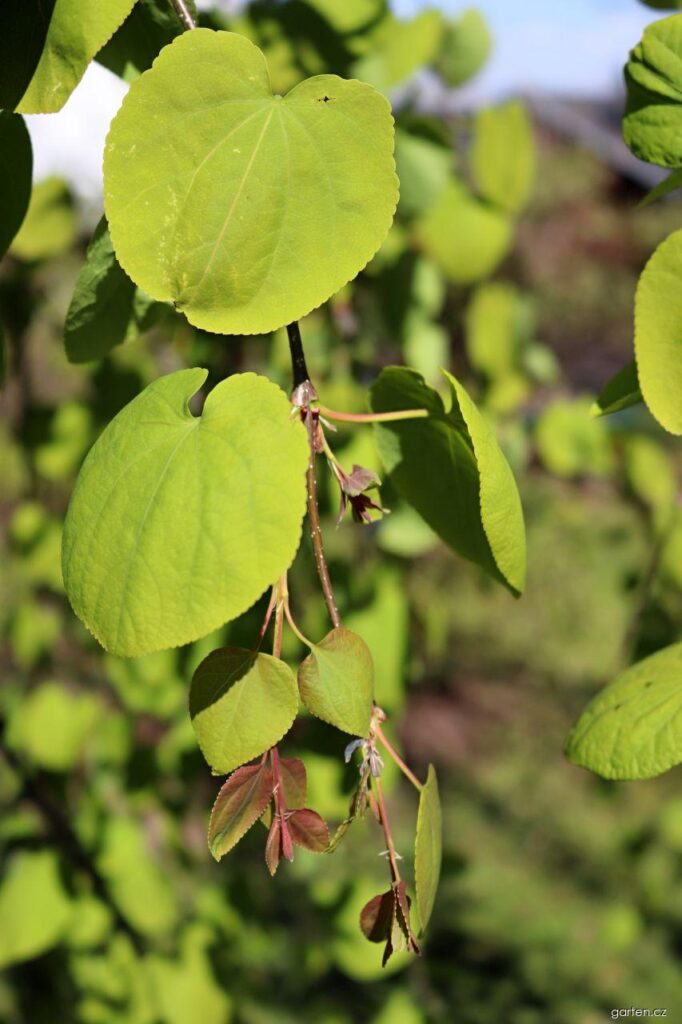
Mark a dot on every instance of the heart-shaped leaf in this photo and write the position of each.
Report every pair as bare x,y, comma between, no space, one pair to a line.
106,308
336,681
658,308
238,806
309,830
70,34
16,170
245,209
241,704
179,523
428,847
632,729
451,470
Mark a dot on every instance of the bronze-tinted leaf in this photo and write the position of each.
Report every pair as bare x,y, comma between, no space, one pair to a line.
309,830
239,805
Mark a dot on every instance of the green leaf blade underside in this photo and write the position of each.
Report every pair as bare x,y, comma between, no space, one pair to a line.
336,681
16,171
503,158
76,31
633,728
241,704
179,523
652,124
268,206
467,238
658,313
104,307
238,806
621,392
450,468
428,849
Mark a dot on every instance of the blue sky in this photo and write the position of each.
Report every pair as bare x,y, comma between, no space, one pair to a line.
569,46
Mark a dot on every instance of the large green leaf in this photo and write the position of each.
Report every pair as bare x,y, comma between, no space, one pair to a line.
34,908
452,471
241,703
337,681
465,237
503,155
238,806
652,125
428,847
179,523
633,728
465,48
658,313
16,171
245,209
77,30
106,308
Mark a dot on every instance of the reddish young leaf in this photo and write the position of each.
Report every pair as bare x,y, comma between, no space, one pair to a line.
294,782
376,917
309,830
238,806
287,840
273,846
402,903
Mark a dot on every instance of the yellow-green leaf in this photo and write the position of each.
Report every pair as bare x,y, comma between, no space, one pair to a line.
428,847
336,681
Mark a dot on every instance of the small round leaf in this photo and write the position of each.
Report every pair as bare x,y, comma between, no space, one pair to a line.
241,704
337,681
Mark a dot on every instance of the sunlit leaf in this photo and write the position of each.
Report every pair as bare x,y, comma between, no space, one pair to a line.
399,48
465,47
179,523
450,468
336,681
423,168
428,847
51,726
493,328
633,728
241,704
76,30
294,782
16,170
571,442
294,196
239,805
653,115
658,309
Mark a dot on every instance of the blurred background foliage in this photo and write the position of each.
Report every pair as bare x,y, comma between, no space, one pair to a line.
512,262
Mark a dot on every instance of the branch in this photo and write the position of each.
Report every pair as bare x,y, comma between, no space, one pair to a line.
184,14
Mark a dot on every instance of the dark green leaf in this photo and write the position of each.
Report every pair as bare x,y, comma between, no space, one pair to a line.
16,170
621,392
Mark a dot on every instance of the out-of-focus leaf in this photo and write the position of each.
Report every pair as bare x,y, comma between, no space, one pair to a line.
186,989
351,15
464,236
241,704
658,308
621,392
336,681
34,908
239,805
49,227
452,471
465,47
173,564
571,442
383,624
428,847
51,726
405,533
503,158
653,113
652,476
492,328
632,730
399,48
16,172
76,30
423,169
